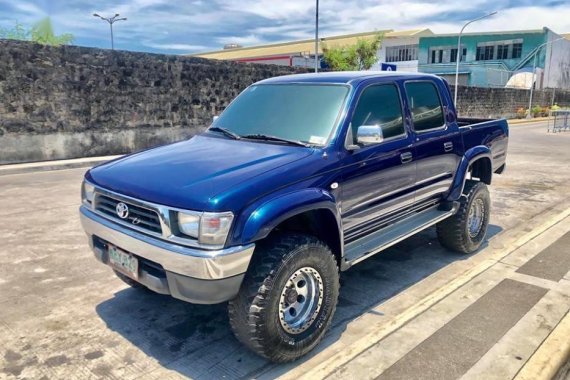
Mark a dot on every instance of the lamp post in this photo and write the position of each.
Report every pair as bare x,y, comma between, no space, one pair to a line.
529,116
111,21
317,37
458,58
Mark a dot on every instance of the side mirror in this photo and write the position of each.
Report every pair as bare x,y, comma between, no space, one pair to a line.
369,134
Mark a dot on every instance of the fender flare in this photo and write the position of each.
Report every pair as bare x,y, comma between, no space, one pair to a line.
473,154
259,219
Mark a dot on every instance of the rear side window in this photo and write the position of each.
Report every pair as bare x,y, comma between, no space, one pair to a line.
424,103
379,105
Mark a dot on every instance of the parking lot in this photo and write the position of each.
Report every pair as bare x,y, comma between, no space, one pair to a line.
64,315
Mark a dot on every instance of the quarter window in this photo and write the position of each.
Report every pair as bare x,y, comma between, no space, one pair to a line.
379,105
425,106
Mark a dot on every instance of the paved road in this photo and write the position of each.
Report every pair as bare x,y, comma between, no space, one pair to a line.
63,315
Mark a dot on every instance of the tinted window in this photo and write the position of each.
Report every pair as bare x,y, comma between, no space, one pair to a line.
302,112
379,105
423,100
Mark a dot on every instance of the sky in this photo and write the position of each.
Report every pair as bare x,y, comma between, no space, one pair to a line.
191,26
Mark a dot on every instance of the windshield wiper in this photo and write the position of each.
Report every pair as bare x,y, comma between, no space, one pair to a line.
226,132
259,136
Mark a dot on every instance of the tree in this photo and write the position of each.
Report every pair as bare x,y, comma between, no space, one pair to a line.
41,32
360,56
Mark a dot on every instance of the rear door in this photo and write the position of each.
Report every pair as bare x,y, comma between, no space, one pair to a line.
437,142
378,179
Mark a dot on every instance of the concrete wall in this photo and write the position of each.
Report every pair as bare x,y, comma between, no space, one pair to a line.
68,102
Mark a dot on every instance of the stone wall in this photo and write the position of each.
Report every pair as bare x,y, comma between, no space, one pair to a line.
68,102
504,102
71,101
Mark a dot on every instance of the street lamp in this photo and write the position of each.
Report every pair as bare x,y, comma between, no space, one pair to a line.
111,21
317,37
529,116
458,58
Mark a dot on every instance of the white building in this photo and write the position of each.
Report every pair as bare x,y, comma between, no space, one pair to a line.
401,49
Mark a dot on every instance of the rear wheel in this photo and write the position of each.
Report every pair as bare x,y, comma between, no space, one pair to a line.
288,297
465,231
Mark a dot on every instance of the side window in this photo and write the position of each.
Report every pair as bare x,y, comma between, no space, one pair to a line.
424,103
379,105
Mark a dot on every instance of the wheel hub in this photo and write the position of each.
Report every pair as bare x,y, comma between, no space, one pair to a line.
301,300
476,217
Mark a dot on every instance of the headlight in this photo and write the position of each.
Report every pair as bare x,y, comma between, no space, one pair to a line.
189,224
87,193
209,228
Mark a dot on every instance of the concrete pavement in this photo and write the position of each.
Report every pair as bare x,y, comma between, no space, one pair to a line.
63,315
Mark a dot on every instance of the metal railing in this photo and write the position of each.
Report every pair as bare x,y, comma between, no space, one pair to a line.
559,121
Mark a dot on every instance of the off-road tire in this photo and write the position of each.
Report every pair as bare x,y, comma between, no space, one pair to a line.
453,232
254,313
129,281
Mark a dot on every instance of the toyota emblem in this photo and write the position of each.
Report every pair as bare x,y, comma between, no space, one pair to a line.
122,210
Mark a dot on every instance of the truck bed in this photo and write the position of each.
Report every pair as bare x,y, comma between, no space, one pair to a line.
493,133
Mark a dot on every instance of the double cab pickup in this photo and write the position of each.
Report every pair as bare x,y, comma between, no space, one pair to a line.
300,178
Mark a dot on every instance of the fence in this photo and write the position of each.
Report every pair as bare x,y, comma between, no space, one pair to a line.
559,121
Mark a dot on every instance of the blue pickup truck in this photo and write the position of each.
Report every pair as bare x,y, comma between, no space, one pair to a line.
301,177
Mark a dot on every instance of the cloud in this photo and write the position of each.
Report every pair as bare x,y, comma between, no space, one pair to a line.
184,47
187,26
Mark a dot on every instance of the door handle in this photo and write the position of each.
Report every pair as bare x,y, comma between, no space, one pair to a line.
406,157
448,146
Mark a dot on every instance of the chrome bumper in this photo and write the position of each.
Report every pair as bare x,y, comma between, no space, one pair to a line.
185,261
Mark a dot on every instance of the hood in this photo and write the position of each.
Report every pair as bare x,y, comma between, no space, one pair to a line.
190,174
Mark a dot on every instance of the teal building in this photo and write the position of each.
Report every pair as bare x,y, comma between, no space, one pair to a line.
497,59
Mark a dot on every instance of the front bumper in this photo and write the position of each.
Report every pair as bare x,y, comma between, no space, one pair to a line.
186,273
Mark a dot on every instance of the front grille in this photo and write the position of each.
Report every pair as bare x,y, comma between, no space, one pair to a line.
138,216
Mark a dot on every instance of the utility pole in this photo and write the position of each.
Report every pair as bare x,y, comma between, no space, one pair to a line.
111,21
317,37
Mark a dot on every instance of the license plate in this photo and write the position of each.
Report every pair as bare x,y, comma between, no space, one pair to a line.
124,262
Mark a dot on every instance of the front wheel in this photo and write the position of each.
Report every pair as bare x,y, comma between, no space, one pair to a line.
465,231
288,297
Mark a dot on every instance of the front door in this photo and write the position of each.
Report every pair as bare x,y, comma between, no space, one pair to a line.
378,178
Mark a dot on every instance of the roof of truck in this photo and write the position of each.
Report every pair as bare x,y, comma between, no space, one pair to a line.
343,77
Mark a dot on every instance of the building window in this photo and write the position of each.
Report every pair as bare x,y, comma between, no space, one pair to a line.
485,53
401,53
453,55
489,50
517,50
502,51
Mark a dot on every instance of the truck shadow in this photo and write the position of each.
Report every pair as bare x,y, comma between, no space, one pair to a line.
196,340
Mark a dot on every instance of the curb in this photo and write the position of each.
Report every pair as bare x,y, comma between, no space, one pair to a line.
53,165
552,359
528,121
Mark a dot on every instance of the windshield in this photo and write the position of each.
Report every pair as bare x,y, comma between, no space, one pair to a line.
297,112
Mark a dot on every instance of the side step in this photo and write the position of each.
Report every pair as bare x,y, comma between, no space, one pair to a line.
377,241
